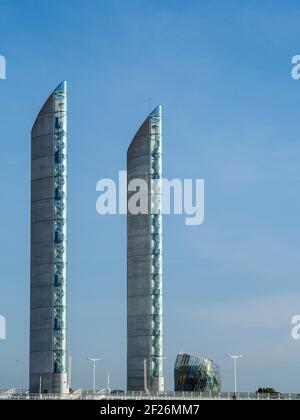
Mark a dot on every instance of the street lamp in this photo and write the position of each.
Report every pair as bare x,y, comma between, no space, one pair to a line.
94,361
108,381
235,359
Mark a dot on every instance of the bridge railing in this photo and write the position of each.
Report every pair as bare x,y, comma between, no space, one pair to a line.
14,394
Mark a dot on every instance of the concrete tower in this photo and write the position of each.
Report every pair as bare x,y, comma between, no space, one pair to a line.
48,246
144,262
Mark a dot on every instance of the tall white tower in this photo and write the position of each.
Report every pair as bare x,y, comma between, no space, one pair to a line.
145,262
48,276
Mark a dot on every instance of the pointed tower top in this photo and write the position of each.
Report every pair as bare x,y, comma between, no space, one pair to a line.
62,87
157,112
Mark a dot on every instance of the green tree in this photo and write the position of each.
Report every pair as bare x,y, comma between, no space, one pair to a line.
266,391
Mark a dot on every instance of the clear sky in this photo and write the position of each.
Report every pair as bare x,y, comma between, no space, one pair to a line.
221,70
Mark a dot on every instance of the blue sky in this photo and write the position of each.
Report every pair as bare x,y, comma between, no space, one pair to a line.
221,70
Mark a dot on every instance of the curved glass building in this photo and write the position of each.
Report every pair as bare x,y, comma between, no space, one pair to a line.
48,280
196,374
144,261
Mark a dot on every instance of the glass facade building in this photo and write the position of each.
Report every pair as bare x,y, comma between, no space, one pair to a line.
196,374
144,262
48,274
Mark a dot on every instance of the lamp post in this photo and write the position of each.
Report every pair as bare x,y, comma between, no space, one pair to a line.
235,359
108,382
94,361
